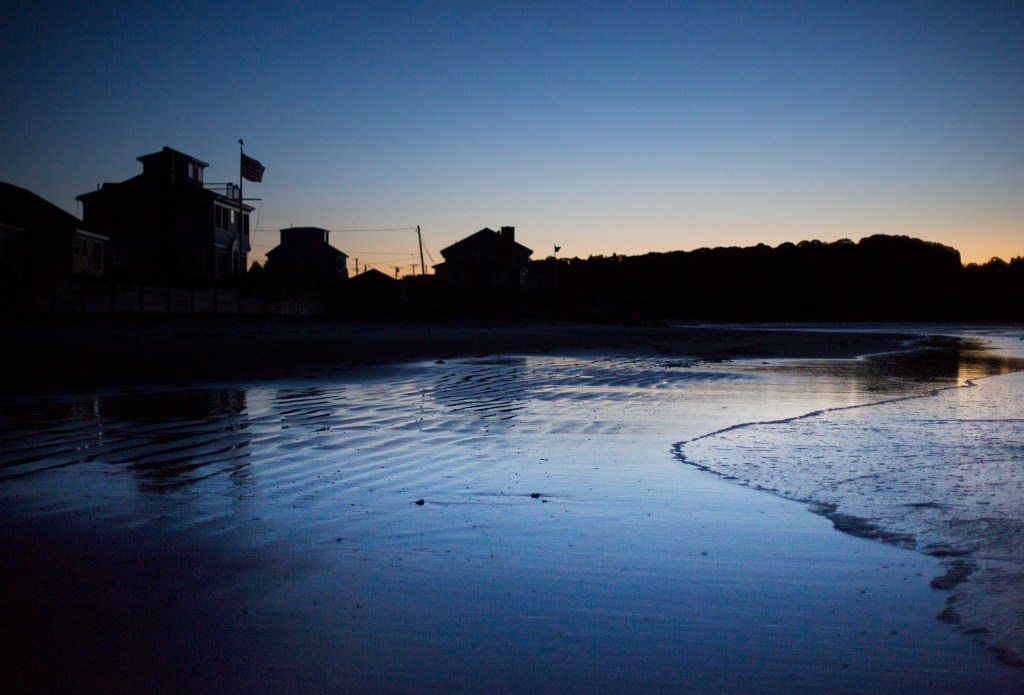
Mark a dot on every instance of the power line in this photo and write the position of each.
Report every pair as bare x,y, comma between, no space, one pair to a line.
355,231
257,225
386,261
382,229
394,255
380,253
429,255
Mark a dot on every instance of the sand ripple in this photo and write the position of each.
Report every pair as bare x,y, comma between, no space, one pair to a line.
407,430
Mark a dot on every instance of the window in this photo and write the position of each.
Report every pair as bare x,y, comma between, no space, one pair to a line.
224,216
195,173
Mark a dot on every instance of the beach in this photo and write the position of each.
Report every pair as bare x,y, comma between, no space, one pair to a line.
473,506
61,355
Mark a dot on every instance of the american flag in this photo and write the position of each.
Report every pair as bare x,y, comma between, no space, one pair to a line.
252,170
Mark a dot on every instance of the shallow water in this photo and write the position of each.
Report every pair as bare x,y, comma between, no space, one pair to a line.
559,545
942,472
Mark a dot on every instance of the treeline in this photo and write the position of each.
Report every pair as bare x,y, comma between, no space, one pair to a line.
879,278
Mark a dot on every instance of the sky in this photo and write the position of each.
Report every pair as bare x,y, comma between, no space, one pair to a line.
600,127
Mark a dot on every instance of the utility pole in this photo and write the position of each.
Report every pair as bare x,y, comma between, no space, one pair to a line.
423,268
397,268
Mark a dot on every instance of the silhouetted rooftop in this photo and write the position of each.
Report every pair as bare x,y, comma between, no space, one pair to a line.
483,240
22,208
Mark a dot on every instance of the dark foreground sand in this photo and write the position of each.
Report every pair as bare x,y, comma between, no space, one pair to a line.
63,356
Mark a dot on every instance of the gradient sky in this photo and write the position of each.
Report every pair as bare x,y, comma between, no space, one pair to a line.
602,127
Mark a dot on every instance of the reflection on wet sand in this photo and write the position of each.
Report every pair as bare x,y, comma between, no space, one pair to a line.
940,363
164,439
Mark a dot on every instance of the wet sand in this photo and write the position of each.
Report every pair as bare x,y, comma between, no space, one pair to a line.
264,536
62,356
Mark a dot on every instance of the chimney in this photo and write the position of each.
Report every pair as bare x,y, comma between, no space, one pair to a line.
508,234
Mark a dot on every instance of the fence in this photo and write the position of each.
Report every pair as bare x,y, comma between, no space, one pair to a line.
96,299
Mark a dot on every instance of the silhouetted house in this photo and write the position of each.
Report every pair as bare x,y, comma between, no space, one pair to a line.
373,280
40,244
374,291
165,226
488,261
305,256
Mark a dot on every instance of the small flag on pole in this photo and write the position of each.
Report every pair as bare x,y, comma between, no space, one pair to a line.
252,170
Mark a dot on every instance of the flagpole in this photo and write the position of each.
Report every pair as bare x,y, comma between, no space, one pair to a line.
239,226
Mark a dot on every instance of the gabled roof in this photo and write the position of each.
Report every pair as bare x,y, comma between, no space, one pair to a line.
22,208
373,278
484,242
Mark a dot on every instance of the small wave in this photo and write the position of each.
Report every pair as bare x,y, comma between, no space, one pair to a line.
938,471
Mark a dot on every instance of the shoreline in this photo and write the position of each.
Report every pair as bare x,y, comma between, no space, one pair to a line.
53,357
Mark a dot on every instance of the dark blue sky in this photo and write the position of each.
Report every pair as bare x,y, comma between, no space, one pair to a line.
598,126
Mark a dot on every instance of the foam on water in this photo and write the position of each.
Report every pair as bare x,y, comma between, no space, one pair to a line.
941,472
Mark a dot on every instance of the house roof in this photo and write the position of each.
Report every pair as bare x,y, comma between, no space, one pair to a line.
373,278
169,151
140,181
304,230
108,188
288,251
145,180
484,242
22,208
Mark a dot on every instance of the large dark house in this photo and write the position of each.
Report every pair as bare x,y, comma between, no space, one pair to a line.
165,226
41,244
305,255
488,261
